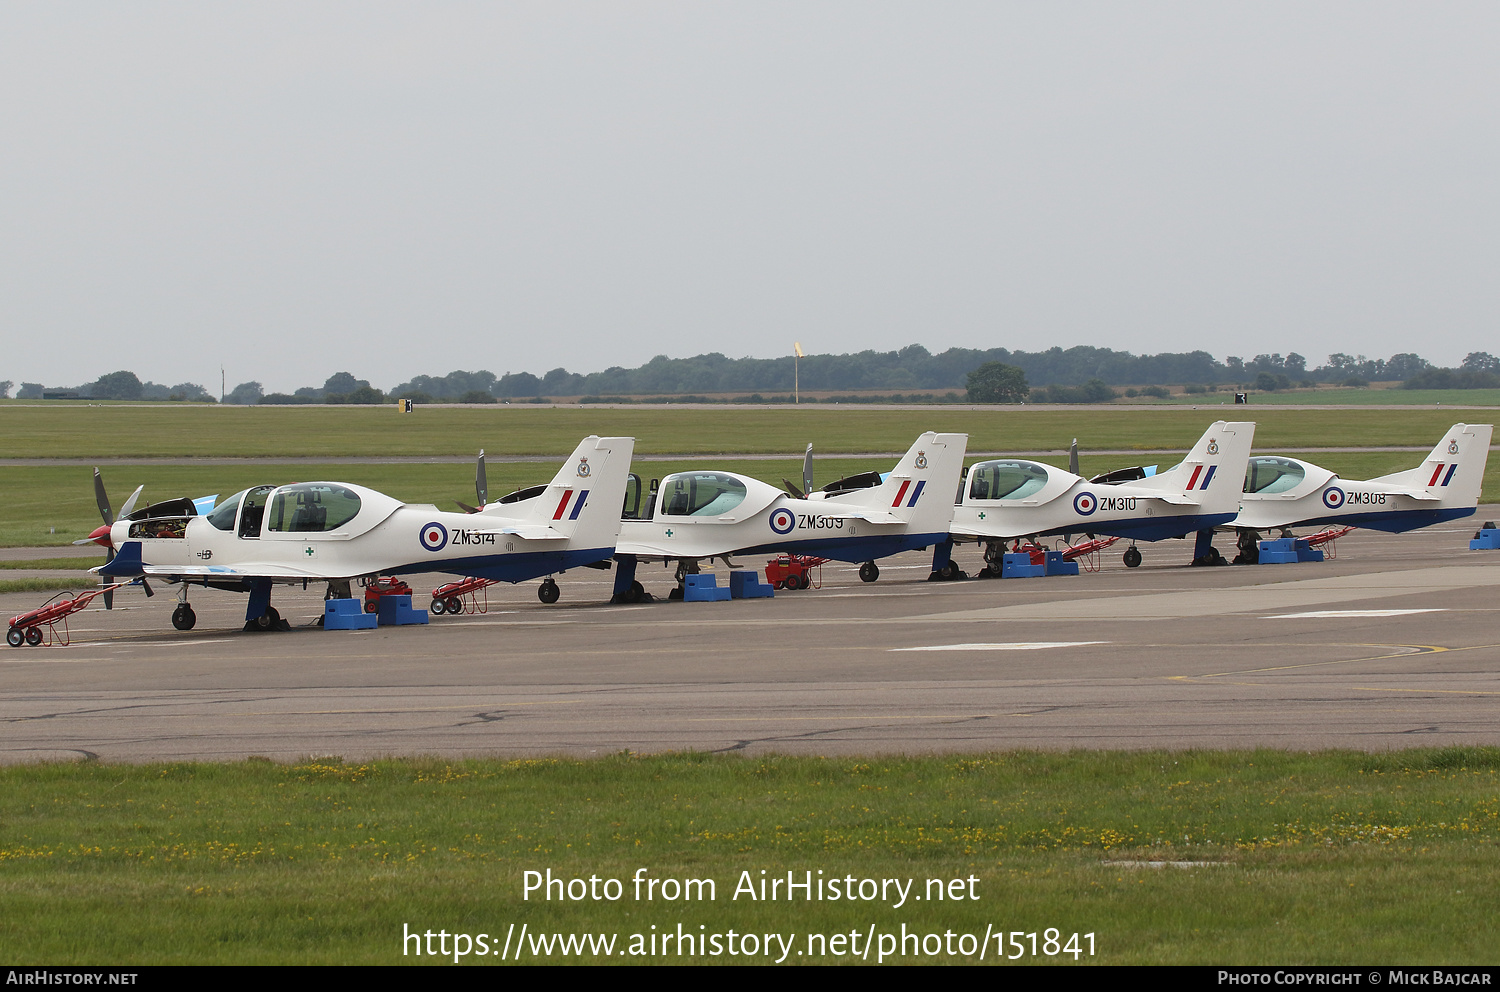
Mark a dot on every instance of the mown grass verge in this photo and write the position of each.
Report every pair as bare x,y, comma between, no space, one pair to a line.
76,564
178,430
1330,857
48,584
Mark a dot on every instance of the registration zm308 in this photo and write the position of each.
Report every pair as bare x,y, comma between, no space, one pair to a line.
1051,944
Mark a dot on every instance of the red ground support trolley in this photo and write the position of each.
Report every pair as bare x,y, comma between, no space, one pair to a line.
794,571
27,628
461,597
385,585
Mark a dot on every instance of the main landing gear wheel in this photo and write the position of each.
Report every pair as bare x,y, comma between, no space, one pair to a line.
270,619
15,637
949,572
1211,558
869,572
436,608
548,592
33,636
183,618
1132,557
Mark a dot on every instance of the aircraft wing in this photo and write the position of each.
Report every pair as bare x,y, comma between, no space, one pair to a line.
1411,493
247,570
872,515
527,532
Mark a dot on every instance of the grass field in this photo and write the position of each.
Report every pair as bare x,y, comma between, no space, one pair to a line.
52,505
1303,858
1368,397
174,430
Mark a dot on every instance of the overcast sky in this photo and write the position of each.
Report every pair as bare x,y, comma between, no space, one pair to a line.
295,189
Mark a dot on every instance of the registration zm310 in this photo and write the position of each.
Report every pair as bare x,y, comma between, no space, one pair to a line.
1051,945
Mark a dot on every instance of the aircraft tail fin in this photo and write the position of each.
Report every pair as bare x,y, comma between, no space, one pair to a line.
1454,469
919,490
1213,473
583,500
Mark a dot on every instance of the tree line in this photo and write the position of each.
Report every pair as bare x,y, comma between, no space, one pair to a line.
1078,374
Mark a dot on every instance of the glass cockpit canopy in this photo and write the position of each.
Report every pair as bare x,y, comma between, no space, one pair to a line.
1006,479
700,494
311,508
1267,474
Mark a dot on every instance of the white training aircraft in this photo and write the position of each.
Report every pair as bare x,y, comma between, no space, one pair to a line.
706,514
1281,492
334,532
1009,498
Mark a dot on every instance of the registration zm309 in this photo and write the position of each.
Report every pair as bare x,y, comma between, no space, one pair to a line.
815,521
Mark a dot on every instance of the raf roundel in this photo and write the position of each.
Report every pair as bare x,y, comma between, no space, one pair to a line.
434,536
782,521
1085,504
1333,497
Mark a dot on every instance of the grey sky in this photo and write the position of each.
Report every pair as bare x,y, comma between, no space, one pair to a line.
294,189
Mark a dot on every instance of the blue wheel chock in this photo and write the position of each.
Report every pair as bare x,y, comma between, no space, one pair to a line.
746,584
1056,565
396,611
1017,565
1288,551
347,614
702,588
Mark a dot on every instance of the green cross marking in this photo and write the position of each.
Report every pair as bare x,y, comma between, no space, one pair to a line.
309,552
669,533
981,514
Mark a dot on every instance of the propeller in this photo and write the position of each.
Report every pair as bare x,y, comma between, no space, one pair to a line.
807,476
102,498
1072,467
481,487
101,536
129,506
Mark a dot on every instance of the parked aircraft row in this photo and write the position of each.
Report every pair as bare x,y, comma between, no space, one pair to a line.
596,513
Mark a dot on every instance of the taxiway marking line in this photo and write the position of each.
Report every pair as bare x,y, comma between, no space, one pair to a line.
1409,651
1004,646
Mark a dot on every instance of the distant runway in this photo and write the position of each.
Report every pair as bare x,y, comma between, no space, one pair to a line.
1393,644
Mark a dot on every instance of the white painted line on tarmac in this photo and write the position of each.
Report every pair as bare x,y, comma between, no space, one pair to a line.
1321,614
1006,646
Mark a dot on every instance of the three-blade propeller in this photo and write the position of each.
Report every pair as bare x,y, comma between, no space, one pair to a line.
100,535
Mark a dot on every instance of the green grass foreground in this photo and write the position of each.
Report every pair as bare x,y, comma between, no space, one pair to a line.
1332,857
